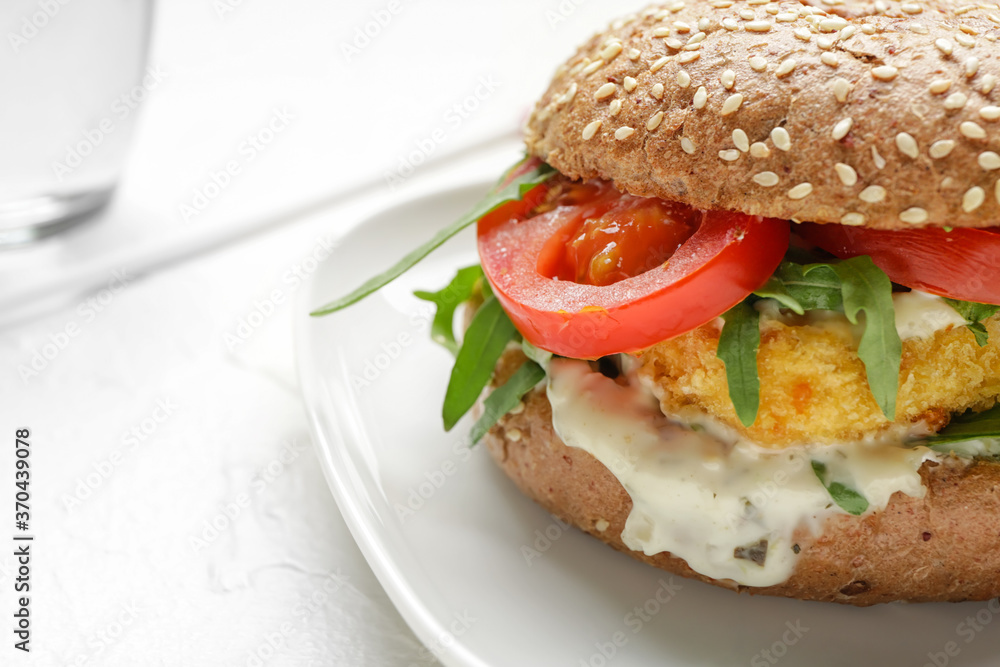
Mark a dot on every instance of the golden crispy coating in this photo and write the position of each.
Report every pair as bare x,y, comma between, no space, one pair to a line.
814,387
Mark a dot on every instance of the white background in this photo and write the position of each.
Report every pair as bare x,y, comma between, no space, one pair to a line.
151,423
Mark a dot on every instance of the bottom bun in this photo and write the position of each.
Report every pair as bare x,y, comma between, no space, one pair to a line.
942,547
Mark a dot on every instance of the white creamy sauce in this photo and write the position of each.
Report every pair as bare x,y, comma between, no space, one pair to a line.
918,315
707,499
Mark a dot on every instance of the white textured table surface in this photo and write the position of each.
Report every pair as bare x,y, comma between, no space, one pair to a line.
179,511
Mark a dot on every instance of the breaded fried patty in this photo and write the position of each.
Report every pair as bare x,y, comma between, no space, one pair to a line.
813,387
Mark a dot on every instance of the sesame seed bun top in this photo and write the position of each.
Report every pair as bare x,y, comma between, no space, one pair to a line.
883,114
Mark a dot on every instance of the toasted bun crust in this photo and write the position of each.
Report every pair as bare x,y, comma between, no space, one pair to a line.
943,547
886,118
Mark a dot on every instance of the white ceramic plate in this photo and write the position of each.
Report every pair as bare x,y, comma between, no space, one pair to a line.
485,577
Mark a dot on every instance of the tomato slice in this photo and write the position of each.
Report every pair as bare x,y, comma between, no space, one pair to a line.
960,264
706,262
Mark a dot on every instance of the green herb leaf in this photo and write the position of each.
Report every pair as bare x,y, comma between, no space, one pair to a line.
866,288
847,498
738,345
505,397
804,287
460,289
968,426
484,342
536,354
512,191
974,314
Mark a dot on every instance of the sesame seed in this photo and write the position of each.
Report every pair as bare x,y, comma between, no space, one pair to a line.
729,155
919,28
759,149
973,199
825,42
513,434
989,82
940,149
971,67
593,67
841,88
683,79
872,194
829,59
662,31
832,24
623,132
730,24
939,86
782,141
654,121
741,140
607,90
732,104
907,145
615,107
878,159
569,94
633,54
911,8
591,130
687,57
728,78
847,32
758,26
989,113
657,91
704,24
914,216
747,14
687,145
846,173
629,84
676,7
800,191
655,67
517,409
852,219
964,39
989,161
944,46
868,29
611,51
697,38
842,127
674,44
884,72
769,179
785,17
971,130
785,68
955,101
681,26
700,97
758,64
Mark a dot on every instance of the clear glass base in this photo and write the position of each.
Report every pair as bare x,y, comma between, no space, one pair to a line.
29,220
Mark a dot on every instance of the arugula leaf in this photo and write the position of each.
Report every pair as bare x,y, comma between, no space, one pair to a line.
865,287
460,289
505,397
847,498
738,345
804,287
484,342
968,426
512,191
974,314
